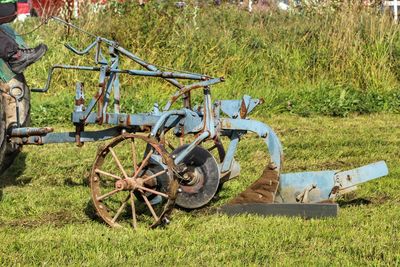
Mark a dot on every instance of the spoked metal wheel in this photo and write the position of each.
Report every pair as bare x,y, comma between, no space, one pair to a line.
132,182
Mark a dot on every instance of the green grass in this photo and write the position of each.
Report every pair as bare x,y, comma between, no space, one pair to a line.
44,218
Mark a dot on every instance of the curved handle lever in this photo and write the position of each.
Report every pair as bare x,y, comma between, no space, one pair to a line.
81,52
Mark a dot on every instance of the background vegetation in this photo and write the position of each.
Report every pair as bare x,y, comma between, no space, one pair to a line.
314,61
340,61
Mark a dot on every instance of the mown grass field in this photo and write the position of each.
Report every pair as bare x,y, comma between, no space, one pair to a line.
306,66
44,217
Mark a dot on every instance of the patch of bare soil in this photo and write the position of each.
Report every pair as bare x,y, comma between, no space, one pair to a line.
57,219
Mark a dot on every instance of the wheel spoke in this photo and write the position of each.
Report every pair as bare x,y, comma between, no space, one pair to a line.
143,164
108,174
108,194
119,211
151,191
118,162
134,223
154,176
149,206
126,177
134,155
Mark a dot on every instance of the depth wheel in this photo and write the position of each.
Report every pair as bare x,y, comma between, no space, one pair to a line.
127,188
200,179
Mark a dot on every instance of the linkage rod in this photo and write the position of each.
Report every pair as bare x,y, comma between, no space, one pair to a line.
146,65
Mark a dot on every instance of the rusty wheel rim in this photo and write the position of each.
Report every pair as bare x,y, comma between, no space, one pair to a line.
120,174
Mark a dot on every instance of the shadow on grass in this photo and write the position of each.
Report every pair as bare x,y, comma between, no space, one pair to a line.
13,175
71,182
91,213
354,202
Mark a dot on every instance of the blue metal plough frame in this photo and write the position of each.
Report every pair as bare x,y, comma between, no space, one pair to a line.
228,118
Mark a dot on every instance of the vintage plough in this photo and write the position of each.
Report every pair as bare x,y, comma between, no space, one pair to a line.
149,166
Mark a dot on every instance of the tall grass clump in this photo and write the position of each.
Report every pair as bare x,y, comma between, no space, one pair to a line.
324,61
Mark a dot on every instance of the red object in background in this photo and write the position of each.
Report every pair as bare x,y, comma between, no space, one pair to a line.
23,7
48,8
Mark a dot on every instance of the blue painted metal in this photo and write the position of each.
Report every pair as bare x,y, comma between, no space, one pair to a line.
263,130
182,155
209,123
327,184
235,108
79,98
26,131
229,157
205,123
346,180
66,137
163,118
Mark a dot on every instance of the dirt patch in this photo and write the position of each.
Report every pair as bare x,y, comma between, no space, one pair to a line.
57,219
261,191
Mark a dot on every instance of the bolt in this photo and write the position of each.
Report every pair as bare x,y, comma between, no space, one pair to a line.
179,190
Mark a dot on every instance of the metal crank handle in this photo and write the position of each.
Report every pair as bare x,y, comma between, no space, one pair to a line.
81,52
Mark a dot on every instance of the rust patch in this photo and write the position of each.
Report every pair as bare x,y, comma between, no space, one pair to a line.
261,191
243,110
226,124
79,102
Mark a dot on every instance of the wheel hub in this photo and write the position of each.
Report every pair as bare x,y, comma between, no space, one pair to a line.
194,180
200,178
128,184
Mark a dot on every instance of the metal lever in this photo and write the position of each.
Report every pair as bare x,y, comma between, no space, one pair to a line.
81,52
